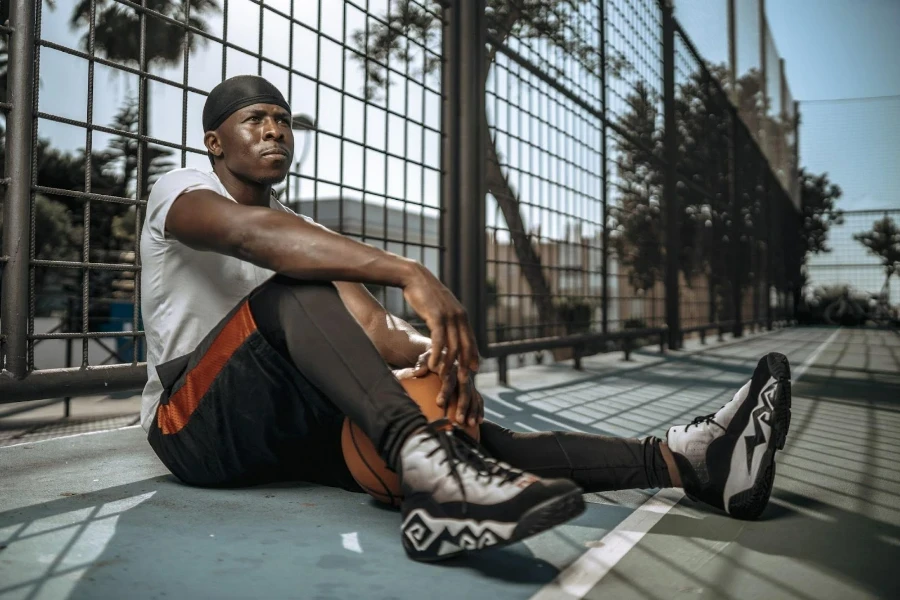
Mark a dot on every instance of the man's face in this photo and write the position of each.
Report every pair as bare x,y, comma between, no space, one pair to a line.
255,143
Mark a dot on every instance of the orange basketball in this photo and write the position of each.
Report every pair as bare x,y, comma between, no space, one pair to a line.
367,467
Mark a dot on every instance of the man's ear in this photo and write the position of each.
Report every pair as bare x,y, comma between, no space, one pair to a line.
213,143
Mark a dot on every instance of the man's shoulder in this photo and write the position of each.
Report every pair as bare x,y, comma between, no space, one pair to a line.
179,179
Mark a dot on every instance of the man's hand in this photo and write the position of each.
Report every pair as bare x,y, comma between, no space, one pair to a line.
452,339
473,411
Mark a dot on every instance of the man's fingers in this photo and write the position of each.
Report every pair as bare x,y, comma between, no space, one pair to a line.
468,347
452,346
462,403
438,337
479,403
448,385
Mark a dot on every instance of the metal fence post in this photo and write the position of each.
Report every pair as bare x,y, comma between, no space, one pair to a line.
450,149
472,184
734,236
604,248
768,226
670,192
17,221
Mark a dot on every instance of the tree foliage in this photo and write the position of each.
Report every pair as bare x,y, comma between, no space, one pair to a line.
883,241
117,29
59,217
638,231
818,196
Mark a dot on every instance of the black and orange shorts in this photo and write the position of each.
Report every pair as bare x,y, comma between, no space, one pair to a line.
236,412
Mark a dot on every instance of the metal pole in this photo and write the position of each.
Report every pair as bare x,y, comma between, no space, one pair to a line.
69,328
604,248
14,304
472,185
732,53
670,192
764,81
450,149
734,238
796,200
732,175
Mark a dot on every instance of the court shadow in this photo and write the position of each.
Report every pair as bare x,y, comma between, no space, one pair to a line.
157,537
849,545
514,564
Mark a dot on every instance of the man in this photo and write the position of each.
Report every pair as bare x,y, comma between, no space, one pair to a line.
261,338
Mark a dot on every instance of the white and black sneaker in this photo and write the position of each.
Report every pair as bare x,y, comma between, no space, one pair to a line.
457,499
727,459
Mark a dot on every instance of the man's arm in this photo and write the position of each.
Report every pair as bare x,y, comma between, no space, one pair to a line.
281,242
204,220
397,341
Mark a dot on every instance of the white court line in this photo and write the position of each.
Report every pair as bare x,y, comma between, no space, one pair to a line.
581,576
527,427
74,435
815,355
493,413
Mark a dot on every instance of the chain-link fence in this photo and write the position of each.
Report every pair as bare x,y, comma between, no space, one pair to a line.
579,179
860,257
849,149
118,92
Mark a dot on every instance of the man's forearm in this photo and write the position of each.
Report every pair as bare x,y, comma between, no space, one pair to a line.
299,249
397,341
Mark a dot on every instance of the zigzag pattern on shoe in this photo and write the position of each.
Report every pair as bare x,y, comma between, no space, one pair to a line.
456,499
727,459
450,536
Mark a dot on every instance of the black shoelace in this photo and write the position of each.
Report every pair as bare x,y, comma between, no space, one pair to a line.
710,418
460,448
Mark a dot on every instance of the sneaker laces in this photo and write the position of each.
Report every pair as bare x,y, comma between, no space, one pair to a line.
708,419
462,452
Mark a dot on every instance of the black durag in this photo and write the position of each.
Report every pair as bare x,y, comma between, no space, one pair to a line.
236,93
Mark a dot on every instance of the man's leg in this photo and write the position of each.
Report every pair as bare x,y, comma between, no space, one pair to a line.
309,325
597,463
725,459
455,498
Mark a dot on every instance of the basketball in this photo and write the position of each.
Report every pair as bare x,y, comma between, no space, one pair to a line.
367,467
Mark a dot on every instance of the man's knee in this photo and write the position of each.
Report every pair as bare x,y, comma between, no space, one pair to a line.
281,295
283,303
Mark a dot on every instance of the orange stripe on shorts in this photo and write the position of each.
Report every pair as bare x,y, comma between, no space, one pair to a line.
182,404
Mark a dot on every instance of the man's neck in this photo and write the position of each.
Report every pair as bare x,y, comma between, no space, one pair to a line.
245,192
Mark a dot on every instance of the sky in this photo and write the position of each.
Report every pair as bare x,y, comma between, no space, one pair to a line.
833,49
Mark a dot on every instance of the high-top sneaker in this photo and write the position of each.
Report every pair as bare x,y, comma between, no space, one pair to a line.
455,498
727,459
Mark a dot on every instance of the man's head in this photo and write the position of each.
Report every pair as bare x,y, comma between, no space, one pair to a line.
247,125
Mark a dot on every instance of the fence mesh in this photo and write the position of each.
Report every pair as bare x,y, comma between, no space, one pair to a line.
544,210
120,102
850,262
574,136
854,143
634,155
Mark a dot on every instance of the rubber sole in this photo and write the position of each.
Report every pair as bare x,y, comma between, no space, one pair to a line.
539,518
551,513
750,504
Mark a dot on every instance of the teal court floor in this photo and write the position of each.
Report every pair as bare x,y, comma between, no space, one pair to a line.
97,516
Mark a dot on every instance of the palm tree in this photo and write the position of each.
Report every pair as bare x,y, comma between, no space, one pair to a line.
117,37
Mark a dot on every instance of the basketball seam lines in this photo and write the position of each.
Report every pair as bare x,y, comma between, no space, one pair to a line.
368,466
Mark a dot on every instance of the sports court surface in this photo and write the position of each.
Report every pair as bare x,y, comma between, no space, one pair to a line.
97,516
